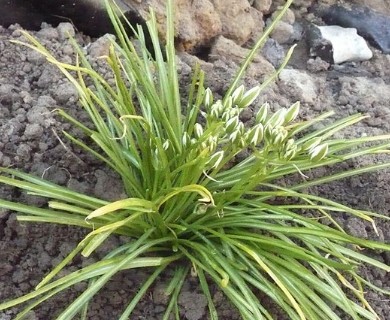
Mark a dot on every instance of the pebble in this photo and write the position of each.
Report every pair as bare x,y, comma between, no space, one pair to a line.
373,26
336,44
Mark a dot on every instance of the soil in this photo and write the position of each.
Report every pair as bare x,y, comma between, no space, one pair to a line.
30,140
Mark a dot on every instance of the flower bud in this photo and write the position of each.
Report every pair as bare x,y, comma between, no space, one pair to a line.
268,133
319,152
292,112
208,98
198,130
212,142
234,112
215,160
214,112
289,154
237,94
255,135
311,143
290,149
234,136
185,139
261,115
249,97
279,134
240,127
231,124
228,103
166,144
278,118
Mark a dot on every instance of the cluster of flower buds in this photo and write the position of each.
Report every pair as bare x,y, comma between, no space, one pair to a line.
270,130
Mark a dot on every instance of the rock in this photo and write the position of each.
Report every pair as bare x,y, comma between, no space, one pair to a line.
198,23
273,52
262,5
288,17
282,32
317,65
373,26
239,19
223,47
65,30
335,44
300,84
101,46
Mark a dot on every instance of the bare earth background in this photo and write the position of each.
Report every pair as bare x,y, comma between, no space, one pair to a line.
31,140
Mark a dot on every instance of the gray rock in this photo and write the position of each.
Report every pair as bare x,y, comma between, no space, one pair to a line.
283,32
273,52
301,83
335,44
101,46
65,30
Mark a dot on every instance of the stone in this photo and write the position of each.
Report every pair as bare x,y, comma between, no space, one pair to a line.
373,26
335,44
101,46
283,32
262,5
300,83
273,52
239,19
227,48
65,30
288,17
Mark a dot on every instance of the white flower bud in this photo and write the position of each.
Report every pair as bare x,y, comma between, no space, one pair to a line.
215,160
234,136
198,130
261,115
237,94
279,134
215,111
319,152
208,98
312,143
166,144
185,139
231,124
249,97
228,103
292,112
234,112
212,142
289,154
278,118
255,135
240,127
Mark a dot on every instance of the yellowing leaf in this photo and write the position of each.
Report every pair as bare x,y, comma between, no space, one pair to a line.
134,204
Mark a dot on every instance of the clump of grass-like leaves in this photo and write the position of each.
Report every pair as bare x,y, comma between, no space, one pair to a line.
192,202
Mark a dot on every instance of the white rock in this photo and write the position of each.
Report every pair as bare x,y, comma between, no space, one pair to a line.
347,44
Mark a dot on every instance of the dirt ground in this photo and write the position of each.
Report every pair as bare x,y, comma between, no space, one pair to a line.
30,139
